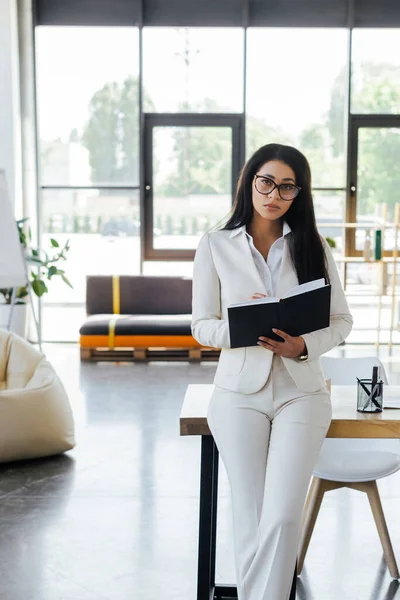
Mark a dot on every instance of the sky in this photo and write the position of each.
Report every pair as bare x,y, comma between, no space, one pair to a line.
290,72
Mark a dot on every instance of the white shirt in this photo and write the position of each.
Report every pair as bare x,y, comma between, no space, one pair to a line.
268,269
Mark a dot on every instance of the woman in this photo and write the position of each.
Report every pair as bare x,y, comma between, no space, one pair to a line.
270,410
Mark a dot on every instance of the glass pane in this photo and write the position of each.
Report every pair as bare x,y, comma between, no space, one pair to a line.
87,86
104,231
378,180
296,94
330,214
192,189
375,71
193,70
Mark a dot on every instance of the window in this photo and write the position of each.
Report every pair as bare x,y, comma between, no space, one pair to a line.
192,183
375,71
329,209
103,227
296,94
378,180
193,69
87,87
87,81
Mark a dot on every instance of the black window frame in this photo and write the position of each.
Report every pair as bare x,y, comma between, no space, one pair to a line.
235,121
356,122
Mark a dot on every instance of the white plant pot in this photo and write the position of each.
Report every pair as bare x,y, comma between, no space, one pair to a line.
19,322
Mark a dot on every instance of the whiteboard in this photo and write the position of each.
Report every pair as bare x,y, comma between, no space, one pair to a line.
12,267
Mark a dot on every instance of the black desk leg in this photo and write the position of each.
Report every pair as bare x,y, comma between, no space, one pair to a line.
293,590
207,518
208,526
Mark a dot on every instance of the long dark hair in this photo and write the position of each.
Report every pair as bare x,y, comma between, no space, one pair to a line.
306,249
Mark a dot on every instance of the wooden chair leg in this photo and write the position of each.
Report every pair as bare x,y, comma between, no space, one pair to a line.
308,500
311,510
380,521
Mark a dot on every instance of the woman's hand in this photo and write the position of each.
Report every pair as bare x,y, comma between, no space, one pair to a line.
257,296
291,347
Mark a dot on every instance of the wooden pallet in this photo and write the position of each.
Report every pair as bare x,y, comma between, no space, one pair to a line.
147,354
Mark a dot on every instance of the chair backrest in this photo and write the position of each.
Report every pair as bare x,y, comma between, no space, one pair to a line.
343,371
139,295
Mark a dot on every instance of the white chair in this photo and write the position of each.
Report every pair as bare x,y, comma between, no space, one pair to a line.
352,463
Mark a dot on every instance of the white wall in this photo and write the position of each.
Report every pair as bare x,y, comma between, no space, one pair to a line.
9,98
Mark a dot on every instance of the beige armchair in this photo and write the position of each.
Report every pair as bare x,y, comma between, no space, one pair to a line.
35,414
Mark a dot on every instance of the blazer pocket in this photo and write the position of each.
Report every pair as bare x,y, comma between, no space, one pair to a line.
315,366
231,360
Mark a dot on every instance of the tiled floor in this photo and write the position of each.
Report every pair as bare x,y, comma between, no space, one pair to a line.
116,518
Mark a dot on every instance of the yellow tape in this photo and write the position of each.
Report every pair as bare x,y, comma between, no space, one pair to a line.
111,333
116,295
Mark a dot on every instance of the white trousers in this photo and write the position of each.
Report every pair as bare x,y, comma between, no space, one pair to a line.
269,443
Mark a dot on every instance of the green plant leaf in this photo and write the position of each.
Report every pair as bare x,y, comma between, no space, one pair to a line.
39,287
6,293
43,264
22,238
67,281
34,261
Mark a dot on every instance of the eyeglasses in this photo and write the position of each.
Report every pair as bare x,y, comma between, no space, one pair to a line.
264,185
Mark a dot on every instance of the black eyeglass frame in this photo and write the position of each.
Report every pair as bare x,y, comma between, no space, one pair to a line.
277,185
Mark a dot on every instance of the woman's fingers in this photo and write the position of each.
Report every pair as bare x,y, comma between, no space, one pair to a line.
291,347
268,343
258,295
282,334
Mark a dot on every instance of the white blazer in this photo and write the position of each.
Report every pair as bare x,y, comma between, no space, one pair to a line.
224,274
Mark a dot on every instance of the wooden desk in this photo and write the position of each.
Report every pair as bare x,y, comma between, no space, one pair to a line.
346,423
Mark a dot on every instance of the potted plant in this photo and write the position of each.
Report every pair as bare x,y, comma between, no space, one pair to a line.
331,242
41,268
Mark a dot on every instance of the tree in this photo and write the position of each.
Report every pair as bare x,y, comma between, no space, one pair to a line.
375,89
201,159
378,169
259,133
112,132
336,113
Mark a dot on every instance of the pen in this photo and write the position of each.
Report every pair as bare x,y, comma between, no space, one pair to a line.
371,396
366,390
373,383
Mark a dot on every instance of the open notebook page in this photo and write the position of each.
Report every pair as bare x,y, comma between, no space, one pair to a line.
299,289
266,300
306,287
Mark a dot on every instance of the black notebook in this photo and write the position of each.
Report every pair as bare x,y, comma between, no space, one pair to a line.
306,308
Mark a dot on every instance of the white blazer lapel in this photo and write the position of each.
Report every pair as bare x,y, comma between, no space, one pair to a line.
287,275
248,262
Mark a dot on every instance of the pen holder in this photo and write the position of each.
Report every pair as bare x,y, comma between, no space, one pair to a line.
368,399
